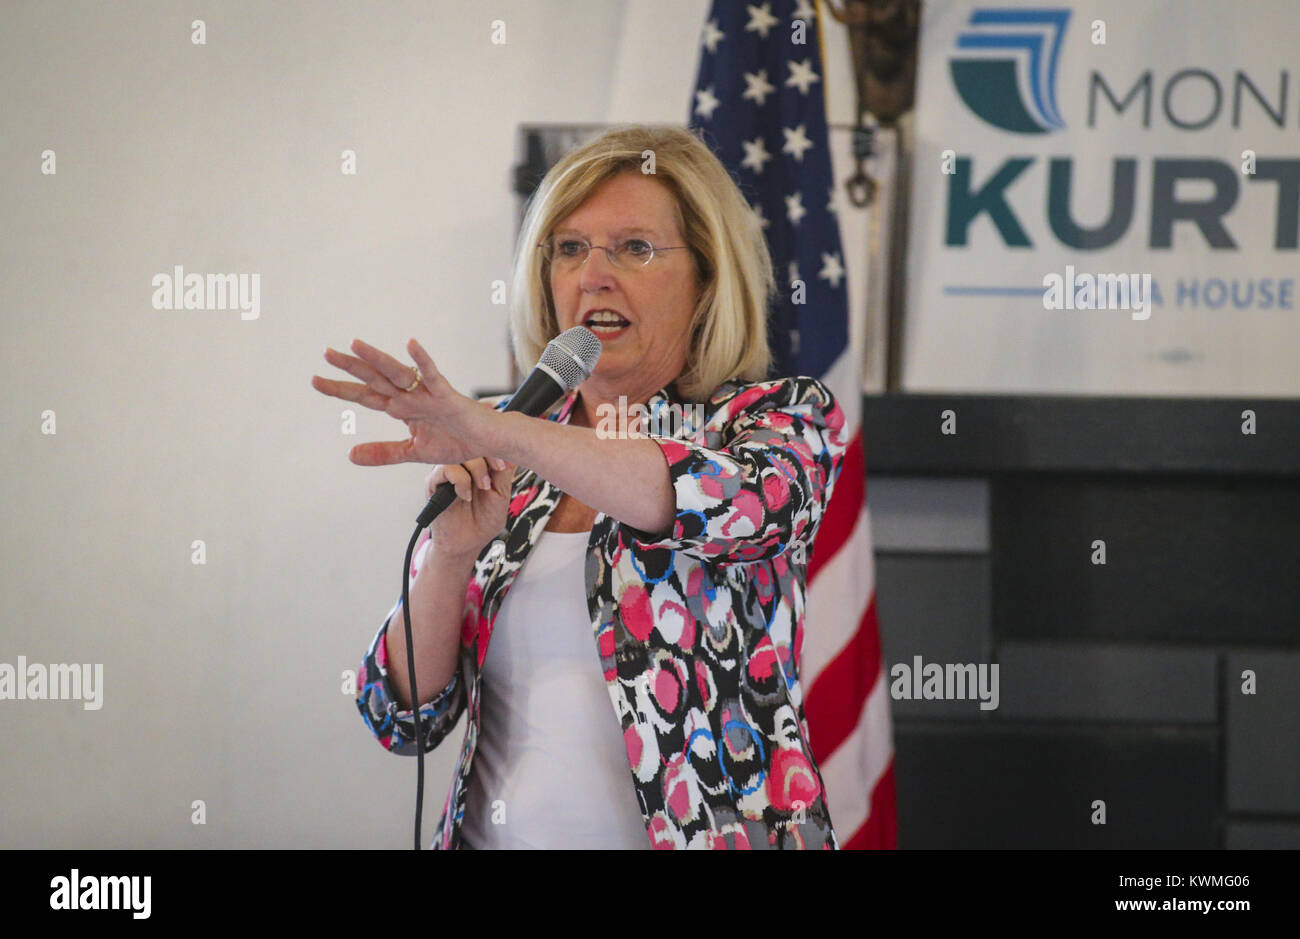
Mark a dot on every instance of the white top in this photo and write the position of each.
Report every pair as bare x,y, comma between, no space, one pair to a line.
550,769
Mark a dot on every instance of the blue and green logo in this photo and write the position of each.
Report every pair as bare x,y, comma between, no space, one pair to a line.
1005,68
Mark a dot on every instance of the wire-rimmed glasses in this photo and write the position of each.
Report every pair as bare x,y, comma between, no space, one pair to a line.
627,254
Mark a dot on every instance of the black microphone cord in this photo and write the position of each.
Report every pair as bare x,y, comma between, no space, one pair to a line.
410,673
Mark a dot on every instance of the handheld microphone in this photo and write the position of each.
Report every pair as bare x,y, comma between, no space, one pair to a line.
566,363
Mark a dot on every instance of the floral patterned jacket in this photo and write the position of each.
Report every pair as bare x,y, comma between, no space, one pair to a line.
699,633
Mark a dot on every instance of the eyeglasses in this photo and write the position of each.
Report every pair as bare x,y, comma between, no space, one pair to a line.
628,254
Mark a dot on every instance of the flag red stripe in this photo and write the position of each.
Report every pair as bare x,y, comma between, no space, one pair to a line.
880,830
839,691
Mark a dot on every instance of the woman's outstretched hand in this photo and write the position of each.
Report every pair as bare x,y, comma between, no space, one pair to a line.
445,426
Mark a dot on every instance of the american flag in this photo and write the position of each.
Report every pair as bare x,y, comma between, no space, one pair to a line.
759,103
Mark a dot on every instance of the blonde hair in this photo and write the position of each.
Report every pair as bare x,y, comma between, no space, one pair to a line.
729,323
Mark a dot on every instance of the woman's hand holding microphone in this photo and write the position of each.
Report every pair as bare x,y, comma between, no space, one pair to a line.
479,512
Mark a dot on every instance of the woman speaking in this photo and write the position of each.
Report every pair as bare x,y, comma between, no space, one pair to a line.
620,614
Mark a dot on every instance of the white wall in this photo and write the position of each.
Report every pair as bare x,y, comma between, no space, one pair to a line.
222,681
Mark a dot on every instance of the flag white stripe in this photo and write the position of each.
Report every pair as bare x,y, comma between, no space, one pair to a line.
838,598
842,380
853,770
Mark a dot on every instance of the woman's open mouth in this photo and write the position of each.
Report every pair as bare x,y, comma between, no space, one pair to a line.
606,324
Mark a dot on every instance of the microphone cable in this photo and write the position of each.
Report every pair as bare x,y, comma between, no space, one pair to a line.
410,674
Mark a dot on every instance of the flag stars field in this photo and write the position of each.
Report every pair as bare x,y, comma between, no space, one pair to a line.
803,10
755,154
760,19
832,269
794,209
758,87
802,75
835,198
712,35
706,102
796,142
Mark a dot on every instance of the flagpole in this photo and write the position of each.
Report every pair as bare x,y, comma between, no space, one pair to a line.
882,37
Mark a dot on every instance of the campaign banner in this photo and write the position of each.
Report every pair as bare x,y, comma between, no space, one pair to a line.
1106,199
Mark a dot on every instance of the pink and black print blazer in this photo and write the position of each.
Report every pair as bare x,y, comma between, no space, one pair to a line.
698,632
